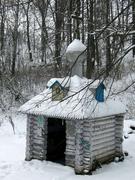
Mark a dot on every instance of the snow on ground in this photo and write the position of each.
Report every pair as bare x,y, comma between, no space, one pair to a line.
14,167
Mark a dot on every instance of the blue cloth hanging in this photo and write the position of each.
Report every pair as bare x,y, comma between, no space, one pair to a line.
100,92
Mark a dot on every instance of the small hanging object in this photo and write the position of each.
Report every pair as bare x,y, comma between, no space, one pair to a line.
57,91
100,92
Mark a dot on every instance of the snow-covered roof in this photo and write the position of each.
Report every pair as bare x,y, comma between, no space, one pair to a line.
65,82
76,46
80,102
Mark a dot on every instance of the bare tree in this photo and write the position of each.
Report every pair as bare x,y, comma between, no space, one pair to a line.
43,7
133,21
15,36
26,10
60,6
90,39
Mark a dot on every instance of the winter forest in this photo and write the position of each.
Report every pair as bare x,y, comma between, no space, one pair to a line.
34,36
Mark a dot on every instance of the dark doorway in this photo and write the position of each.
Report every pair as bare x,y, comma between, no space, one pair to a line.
56,140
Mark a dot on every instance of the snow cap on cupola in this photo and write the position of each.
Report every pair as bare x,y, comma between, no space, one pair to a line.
76,55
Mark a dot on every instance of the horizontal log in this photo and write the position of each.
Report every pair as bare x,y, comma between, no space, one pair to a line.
87,154
38,157
70,142
35,154
87,163
105,119
38,144
103,158
105,131
38,148
86,126
104,150
102,128
70,138
119,135
70,149
105,135
69,153
39,138
103,146
106,159
86,160
103,141
110,121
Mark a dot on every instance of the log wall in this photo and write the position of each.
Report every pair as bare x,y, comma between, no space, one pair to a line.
36,143
70,143
88,141
103,139
119,123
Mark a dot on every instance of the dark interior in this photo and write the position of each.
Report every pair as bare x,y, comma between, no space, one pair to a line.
56,140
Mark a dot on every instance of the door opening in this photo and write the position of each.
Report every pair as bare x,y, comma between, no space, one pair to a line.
56,140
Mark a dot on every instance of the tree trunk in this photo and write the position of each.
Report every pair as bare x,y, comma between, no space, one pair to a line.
83,30
108,45
69,22
90,41
133,19
43,38
59,18
15,39
28,30
43,7
2,27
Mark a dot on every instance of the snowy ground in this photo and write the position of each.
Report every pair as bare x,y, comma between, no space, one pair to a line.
13,166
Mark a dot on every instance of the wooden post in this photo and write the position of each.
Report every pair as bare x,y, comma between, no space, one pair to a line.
70,143
79,147
119,135
87,145
29,138
36,137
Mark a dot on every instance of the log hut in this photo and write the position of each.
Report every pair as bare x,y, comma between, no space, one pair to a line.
71,122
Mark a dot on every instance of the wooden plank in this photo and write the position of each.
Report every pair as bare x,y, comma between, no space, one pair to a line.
103,140
102,128
70,143
104,135
103,146
70,138
104,156
110,121
103,149
79,147
103,118
112,129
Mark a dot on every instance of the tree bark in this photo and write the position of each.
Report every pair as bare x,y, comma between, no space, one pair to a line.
28,30
43,7
108,45
15,39
90,41
69,22
59,18
2,28
133,20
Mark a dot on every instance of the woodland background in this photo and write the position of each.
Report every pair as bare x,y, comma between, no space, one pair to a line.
34,35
